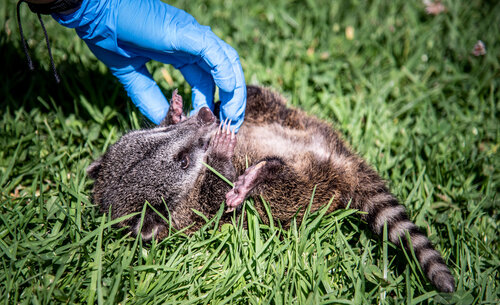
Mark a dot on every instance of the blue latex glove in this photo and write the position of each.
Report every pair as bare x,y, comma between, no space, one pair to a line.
125,34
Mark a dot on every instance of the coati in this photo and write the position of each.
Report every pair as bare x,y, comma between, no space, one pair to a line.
288,154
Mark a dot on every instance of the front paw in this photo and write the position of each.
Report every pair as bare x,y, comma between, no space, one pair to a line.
223,142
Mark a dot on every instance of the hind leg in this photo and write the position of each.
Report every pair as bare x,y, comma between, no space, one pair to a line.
174,114
262,172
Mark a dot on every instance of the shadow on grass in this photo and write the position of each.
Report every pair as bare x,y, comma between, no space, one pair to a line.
22,88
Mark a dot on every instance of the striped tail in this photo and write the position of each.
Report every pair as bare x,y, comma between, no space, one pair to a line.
384,208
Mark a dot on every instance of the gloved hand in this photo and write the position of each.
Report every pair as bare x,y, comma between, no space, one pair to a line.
125,34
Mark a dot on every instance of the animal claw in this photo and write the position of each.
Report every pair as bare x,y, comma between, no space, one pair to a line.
229,209
224,140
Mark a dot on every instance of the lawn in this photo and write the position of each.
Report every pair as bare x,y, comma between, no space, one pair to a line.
403,86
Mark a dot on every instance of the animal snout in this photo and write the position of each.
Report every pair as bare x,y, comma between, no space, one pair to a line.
205,116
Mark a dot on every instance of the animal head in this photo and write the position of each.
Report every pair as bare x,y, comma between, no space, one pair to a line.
155,165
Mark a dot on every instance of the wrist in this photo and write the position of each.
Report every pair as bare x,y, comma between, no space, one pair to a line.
54,6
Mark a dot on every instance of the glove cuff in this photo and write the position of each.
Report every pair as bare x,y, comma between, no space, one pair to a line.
57,6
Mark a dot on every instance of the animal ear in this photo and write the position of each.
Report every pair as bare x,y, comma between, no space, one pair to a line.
94,169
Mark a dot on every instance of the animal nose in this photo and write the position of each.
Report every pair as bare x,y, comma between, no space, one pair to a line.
205,116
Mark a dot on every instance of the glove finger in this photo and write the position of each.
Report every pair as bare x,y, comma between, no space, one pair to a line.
221,65
173,36
201,42
137,81
233,103
202,86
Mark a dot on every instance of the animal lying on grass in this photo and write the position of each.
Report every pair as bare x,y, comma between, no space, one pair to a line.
288,154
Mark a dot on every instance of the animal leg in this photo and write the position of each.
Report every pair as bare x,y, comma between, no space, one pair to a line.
223,143
174,114
261,172
213,188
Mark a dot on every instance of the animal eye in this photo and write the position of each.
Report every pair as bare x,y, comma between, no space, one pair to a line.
185,162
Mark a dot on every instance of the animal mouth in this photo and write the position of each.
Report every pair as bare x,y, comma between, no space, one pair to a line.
207,139
206,144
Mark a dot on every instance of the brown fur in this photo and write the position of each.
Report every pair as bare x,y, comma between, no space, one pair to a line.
289,153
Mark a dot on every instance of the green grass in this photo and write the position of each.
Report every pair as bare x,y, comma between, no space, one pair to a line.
406,92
